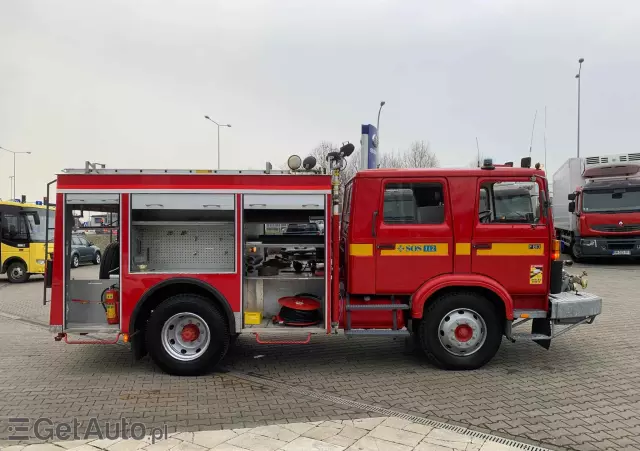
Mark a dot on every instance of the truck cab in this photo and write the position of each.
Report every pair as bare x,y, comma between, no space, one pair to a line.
465,254
598,206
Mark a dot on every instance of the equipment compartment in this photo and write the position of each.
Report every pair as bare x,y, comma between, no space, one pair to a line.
283,264
85,295
183,233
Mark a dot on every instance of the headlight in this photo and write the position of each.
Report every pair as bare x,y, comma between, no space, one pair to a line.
588,243
40,262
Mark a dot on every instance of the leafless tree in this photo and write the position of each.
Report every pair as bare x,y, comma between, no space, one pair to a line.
391,160
419,155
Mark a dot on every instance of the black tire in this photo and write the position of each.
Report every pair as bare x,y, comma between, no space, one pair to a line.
430,332
17,272
96,258
576,254
75,260
218,328
110,260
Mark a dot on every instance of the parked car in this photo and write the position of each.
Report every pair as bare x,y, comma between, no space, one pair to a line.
83,251
310,228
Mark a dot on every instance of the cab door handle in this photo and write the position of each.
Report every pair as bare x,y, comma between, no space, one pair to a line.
386,246
482,245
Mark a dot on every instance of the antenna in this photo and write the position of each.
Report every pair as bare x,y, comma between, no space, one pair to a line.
532,130
478,147
545,137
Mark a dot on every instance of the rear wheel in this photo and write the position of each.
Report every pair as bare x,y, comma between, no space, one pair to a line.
75,260
17,272
460,331
187,336
96,258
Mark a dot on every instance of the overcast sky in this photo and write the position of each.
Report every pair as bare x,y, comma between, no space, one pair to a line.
126,83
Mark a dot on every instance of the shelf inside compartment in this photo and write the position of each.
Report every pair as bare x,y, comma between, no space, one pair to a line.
267,326
96,328
287,240
286,276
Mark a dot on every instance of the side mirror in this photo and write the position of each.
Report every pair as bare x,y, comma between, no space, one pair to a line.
525,162
572,196
572,207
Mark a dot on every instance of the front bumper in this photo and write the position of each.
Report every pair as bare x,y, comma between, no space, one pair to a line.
609,247
567,310
571,307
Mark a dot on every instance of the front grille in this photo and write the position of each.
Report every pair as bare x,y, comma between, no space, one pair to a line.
605,160
616,228
620,245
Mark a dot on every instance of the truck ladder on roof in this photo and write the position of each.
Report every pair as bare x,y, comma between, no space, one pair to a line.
98,168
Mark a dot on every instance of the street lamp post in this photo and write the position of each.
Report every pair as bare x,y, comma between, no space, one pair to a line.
378,128
578,76
219,125
13,193
11,186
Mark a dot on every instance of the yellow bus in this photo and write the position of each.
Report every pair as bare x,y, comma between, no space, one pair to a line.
23,235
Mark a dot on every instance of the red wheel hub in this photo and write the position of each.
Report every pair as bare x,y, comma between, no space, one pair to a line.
463,332
190,332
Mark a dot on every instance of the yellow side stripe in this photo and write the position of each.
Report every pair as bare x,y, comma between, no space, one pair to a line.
513,250
418,249
361,250
463,248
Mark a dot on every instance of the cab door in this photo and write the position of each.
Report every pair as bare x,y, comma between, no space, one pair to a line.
413,234
511,238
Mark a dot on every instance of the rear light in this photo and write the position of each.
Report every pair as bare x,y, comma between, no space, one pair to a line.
555,250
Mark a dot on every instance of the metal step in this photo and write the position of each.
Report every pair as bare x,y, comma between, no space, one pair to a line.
386,332
378,307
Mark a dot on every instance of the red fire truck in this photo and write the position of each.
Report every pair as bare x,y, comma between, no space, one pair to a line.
204,256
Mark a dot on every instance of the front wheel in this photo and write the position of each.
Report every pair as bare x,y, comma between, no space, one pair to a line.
186,335
96,258
575,252
17,272
460,331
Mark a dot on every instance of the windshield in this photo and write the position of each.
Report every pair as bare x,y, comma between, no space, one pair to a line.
512,203
37,232
611,200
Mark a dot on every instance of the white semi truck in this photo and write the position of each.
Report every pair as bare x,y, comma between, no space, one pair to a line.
596,206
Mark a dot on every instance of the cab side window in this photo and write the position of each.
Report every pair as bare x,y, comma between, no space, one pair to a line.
14,227
346,207
509,203
413,203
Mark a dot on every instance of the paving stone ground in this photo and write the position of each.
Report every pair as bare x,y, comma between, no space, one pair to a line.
370,434
582,394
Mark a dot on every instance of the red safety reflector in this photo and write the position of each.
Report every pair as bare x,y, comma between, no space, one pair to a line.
299,303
